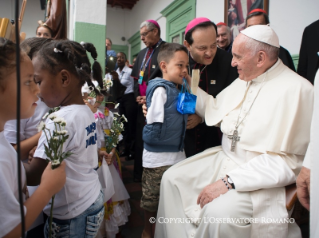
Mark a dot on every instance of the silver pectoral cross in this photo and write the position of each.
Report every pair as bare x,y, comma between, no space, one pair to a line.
234,137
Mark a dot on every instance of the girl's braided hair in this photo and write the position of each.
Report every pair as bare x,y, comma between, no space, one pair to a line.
71,56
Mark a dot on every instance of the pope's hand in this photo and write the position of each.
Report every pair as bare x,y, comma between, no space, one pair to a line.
210,192
193,120
144,107
303,187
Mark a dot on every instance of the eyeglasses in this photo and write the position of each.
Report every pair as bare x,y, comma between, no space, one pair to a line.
145,33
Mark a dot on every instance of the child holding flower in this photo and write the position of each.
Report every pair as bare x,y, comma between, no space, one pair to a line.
52,180
109,128
61,68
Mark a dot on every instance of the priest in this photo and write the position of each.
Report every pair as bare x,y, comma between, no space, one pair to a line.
145,68
237,189
309,195
216,73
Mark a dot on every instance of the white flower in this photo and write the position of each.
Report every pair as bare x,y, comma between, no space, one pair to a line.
58,120
63,122
41,126
116,106
112,131
45,116
113,145
125,119
55,138
111,83
55,162
63,132
121,125
116,114
52,116
114,118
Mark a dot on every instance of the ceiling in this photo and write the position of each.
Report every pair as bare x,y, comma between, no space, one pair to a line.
129,4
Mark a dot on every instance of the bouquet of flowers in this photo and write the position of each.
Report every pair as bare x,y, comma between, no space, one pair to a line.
107,84
54,149
117,127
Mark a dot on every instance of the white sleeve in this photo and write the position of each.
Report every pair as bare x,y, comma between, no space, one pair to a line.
9,207
201,102
10,130
266,171
155,113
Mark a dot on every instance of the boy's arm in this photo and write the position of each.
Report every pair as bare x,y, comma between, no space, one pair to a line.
51,183
155,112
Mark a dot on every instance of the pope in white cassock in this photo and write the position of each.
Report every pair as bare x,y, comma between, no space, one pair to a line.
309,197
265,118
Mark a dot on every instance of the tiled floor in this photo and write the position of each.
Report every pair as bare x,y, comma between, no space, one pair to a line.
134,227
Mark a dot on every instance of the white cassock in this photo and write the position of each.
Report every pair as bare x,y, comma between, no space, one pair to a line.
273,140
312,162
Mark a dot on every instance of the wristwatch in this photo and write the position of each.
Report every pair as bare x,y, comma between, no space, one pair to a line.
230,181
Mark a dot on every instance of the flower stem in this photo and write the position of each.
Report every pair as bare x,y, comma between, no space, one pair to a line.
51,217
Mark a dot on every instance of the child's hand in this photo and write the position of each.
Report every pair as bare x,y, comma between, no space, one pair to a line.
53,180
102,154
109,158
144,107
31,153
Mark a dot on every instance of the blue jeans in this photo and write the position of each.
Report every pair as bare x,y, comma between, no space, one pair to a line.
85,225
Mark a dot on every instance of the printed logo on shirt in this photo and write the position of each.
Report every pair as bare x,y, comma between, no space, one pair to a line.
92,140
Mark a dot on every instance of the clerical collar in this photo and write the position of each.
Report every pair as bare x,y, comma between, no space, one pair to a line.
153,46
229,47
260,78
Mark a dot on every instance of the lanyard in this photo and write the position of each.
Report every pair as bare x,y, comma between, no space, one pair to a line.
143,67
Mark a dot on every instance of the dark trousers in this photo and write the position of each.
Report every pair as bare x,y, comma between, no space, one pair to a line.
139,144
128,107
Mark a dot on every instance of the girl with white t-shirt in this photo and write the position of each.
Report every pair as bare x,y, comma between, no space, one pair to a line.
52,180
61,68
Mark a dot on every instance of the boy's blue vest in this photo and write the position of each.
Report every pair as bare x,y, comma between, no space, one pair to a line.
168,136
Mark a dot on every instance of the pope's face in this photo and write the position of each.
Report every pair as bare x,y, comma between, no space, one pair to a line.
245,62
204,47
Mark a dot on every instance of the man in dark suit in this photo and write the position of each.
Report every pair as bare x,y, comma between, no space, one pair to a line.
260,17
308,55
216,74
145,68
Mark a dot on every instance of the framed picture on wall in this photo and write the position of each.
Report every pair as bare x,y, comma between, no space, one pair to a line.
236,12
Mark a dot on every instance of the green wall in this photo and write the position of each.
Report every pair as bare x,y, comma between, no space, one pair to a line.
135,42
178,14
120,48
94,34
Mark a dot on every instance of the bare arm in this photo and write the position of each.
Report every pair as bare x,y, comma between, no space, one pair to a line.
34,171
52,181
27,145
